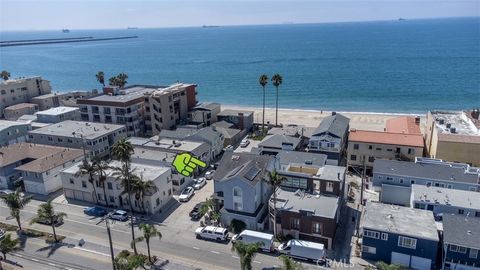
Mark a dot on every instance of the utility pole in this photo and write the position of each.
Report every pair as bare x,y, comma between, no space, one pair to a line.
107,223
363,180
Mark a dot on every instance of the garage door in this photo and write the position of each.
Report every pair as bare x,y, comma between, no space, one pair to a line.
420,263
400,259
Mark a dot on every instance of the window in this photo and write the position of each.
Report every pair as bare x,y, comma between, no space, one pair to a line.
370,147
295,182
449,186
109,185
384,236
112,199
401,180
477,214
371,234
329,187
371,159
458,249
157,201
368,249
429,183
378,149
317,227
407,242
100,196
461,211
472,189
295,223
412,182
355,146
71,181
84,184
353,157
473,253
389,178
237,192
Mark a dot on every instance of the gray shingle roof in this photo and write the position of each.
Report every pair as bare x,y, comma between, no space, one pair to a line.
288,157
334,124
294,201
277,140
444,172
461,230
179,133
242,164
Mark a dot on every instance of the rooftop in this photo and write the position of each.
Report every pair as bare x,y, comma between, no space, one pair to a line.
207,106
277,141
44,157
287,157
428,169
20,79
326,172
27,118
171,89
21,106
461,230
403,124
48,96
57,111
446,196
128,94
300,201
414,140
87,129
400,220
293,131
4,124
449,122
230,112
170,145
336,124
247,166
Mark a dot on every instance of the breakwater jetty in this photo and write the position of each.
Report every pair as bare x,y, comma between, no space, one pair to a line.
11,43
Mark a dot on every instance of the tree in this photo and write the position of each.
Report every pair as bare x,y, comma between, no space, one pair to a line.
237,226
100,77
122,79
16,202
148,231
385,266
263,80
277,81
209,207
113,81
88,168
246,252
100,167
140,188
289,263
275,180
7,245
122,151
126,261
5,75
46,212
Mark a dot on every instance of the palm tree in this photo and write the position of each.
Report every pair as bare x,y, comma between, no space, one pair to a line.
101,77
385,266
289,263
122,151
5,75
263,80
246,252
275,180
122,79
113,81
16,202
88,168
7,245
46,212
277,81
149,231
140,188
130,262
100,167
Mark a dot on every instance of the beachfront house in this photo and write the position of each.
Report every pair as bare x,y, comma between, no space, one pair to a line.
272,144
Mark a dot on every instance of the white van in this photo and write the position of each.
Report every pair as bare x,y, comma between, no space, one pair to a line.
303,250
212,233
251,237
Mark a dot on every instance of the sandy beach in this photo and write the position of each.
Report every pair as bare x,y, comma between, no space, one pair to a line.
311,118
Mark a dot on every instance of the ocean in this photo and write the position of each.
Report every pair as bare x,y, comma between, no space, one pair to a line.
391,66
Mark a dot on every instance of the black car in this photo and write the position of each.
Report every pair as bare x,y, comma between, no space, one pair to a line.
195,213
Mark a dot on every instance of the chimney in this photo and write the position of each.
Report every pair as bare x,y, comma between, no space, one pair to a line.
334,113
241,120
417,120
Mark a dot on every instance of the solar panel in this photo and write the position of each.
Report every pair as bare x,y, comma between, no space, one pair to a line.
252,172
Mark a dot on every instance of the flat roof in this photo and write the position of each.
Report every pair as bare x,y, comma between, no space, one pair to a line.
403,124
21,106
366,136
4,124
277,141
446,196
299,201
207,106
461,230
89,130
400,220
332,173
287,157
293,130
131,94
57,110
49,96
230,112
446,120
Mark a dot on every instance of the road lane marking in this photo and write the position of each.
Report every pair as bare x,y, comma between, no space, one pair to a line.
35,260
257,262
215,252
197,248
51,264
236,257
92,251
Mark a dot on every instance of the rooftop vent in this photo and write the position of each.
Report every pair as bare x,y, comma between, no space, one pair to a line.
453,130
235,157
308,162
441,121
449,125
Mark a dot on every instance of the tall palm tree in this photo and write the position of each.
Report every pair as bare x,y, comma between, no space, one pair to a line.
140,188
277,81
100,167
122,151
113,81
275,181
88,168
289,263
263,80
149,231
100,77
16,202
122,79
7,245
46,212
246,252
5,75
129,262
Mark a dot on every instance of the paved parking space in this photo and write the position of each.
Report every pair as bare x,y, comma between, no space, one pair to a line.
249,147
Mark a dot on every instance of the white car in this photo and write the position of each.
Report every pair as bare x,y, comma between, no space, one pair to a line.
209,175
199,183
120,215
244,143
212,233
186,194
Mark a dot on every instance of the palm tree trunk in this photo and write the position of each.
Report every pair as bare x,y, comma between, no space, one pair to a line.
94,189
54,233
18,222
4,257
276,110
105,194
263,118
131,214
274,211
148,249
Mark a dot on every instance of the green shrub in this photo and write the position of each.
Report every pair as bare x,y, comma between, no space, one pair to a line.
237,226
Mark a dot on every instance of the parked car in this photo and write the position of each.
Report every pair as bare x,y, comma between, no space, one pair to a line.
199,183
9,191
229,148
251,237
212,233
209,174
95,211
195,213
119,215
244,143
57,221
303,250
186,194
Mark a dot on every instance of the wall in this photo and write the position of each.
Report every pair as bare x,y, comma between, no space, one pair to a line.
383,153
379,179
23,90
462,257
14,134
459,152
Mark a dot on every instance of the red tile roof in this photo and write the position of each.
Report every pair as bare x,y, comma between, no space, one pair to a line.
415,140
403,124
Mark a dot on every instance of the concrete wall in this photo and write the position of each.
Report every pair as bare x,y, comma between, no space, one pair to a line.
386,151
406,181
14,134
459,152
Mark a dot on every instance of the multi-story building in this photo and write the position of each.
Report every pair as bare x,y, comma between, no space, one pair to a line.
364,147
49,101
453,136
13,132
204,113
37,166
167,107
58,114
22,90
330,138
399,235
403,124
96,138
242,120
427,172
78,188
461,243
12,113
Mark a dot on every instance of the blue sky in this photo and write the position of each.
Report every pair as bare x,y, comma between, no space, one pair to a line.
101,14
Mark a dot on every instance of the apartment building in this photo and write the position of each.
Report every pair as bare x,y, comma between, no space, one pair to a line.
58,114
453,136
460,243
12,113
12,132
96,138
22,90
242,120
204,113
78,188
